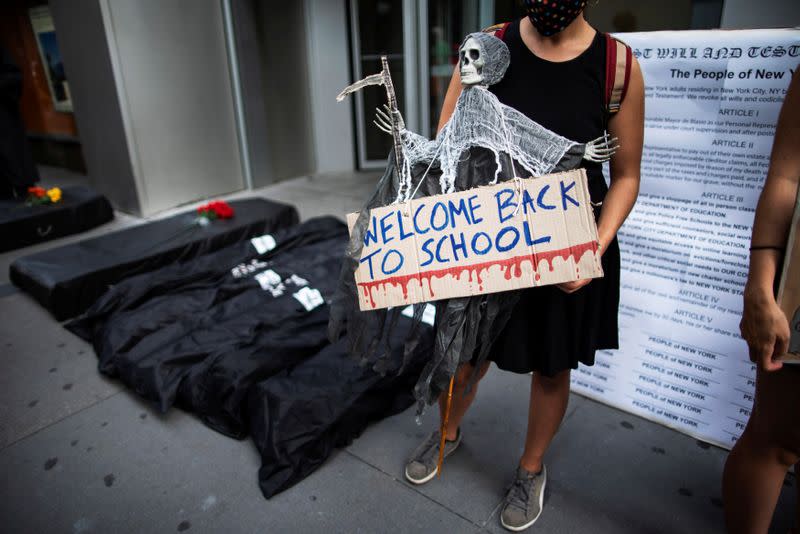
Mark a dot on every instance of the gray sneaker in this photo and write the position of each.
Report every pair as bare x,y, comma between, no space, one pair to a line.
523,504
421,467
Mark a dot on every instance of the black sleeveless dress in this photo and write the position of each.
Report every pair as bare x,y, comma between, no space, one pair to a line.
550,331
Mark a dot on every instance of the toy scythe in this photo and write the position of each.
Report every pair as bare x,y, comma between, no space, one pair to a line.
383,78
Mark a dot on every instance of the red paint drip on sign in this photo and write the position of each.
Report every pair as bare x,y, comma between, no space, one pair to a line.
512,267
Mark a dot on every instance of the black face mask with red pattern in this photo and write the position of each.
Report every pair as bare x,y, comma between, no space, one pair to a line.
551,16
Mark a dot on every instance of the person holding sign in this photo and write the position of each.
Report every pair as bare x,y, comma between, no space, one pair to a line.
770,443
557,77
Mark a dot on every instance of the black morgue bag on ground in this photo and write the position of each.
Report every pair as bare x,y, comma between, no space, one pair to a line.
300,415
80,209
201,331
239,337
67,280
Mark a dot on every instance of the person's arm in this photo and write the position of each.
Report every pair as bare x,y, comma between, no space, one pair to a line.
764,325
627,125
450,99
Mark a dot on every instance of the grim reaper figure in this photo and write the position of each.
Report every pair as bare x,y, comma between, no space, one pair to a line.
480,120
485,141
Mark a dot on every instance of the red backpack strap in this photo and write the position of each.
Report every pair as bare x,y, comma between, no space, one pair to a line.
618,72
499,30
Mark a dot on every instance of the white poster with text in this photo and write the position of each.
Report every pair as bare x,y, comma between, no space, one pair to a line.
712,102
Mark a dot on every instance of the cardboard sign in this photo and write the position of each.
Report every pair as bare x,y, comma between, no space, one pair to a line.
517,234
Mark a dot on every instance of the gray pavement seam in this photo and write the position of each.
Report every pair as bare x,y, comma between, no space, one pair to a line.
413,489
494,512
8,289
26,436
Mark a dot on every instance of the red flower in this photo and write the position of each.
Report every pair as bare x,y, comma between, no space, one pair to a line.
37,191
223,210
218,209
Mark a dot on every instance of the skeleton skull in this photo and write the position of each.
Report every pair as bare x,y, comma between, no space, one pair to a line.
471,62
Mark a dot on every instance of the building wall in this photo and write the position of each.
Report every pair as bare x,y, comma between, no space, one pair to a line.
329,72
152,86
737,14
84,47
174,72
636,16
282,50
251,86
36,104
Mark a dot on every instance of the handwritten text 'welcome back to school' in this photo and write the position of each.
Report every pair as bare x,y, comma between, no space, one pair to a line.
439,224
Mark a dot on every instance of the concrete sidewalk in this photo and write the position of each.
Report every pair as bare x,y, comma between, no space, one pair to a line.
80,454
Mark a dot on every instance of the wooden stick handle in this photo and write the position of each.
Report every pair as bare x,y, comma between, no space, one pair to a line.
391,96
444,426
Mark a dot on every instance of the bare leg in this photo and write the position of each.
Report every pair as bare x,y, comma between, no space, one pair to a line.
797,497
751,484
461,400
548,403
769,446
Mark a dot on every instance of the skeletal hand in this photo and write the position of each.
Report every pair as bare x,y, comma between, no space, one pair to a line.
601,149
384,122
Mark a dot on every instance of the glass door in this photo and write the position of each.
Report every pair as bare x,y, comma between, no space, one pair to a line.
447,22
383,28
420,39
